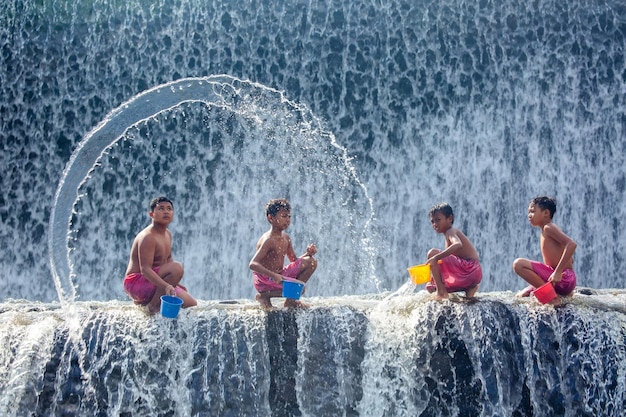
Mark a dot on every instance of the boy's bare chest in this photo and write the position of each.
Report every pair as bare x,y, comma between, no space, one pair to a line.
550,248
278,247
162,248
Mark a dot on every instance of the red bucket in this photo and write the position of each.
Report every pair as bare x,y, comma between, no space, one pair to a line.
545,293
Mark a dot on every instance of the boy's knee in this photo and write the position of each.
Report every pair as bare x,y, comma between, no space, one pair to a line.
179,268
518,264
172,269
432,253
312,263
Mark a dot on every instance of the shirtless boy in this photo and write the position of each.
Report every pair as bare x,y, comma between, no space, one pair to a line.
456,268
151,271
267,265
557,250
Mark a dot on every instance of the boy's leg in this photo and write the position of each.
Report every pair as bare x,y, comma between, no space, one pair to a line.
307,267
172,273
290,303
188,300
471,291
524,269
442,293
264,298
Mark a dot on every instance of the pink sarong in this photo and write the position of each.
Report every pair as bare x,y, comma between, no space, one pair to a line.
141,290
563,287
265,284
458,274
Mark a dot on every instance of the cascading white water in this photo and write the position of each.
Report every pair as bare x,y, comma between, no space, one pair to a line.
483,105
346,356
195,140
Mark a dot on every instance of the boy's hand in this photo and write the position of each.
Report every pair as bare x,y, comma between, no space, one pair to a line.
311,250
278,279
434,261
555,278
170,290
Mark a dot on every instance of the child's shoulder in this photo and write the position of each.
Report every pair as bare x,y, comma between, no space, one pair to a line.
550,227
271,238
454,231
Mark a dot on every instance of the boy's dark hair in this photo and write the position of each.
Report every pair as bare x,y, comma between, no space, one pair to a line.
160,199
273,206
443,208
545,203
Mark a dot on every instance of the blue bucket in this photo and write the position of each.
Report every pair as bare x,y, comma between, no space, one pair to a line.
170,306
292,289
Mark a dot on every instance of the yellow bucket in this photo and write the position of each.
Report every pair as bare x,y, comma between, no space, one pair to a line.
420,274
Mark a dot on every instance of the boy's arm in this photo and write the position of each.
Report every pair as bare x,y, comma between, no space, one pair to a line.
256,264
455,246
169,257
310,250
291,254
552,231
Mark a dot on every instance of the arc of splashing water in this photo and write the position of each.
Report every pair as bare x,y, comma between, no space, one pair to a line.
214,90
217,90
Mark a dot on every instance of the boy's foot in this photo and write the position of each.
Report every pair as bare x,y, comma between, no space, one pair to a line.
438,297
526,291
291,303
470,292
556,302
265,302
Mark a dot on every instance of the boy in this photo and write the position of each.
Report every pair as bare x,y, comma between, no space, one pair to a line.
557,250
151,271
271,249
456,268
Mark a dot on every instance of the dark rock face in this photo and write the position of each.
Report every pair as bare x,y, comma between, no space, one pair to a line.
391,358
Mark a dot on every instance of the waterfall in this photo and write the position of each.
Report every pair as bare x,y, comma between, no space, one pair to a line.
346,356
195,140
483,105
371,112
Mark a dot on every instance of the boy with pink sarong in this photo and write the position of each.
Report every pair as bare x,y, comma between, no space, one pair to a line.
267,265
151,271
457,267
557,250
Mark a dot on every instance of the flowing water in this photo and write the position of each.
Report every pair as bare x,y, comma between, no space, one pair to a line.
346,356
481,104
364,114
210,133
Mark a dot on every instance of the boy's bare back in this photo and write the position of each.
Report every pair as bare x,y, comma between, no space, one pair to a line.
467,250
553,242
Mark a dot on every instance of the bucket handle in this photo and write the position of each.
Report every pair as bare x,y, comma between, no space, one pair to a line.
297,281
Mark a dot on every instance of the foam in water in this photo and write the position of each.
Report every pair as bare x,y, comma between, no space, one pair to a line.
529,97
220,148
483,105
346,356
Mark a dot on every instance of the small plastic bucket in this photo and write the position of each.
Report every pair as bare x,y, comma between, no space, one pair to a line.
420,274
545,293
170,306
292,289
